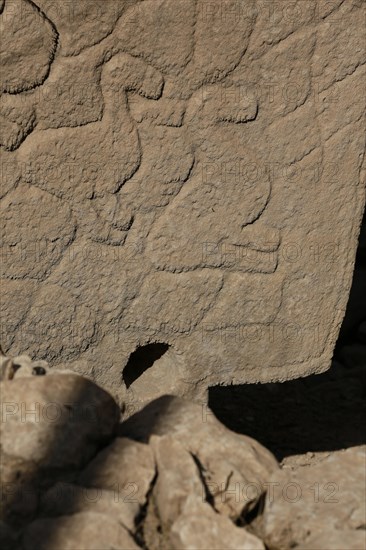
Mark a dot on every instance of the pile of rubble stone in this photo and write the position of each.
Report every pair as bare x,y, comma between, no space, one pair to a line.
169,477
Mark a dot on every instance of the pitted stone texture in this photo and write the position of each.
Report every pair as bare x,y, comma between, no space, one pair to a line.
194,172
31,251
28,45
85,23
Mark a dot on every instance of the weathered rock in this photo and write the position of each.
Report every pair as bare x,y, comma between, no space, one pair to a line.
84,531
165,195
318,504
234,467
67,498
20,366
177,478
50,427
85,23
184,507
125,467
28,45
32,250
336,540
7,369
52,424
200,527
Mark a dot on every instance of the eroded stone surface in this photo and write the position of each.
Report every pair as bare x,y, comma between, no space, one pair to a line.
28,45
235,485
179,495
315,505
177,478
180,172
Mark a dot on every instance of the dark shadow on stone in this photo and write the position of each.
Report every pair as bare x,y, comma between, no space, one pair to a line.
142,359
356,307
322,412
152,419
22,495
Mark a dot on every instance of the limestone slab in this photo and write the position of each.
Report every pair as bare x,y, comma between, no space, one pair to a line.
180,172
